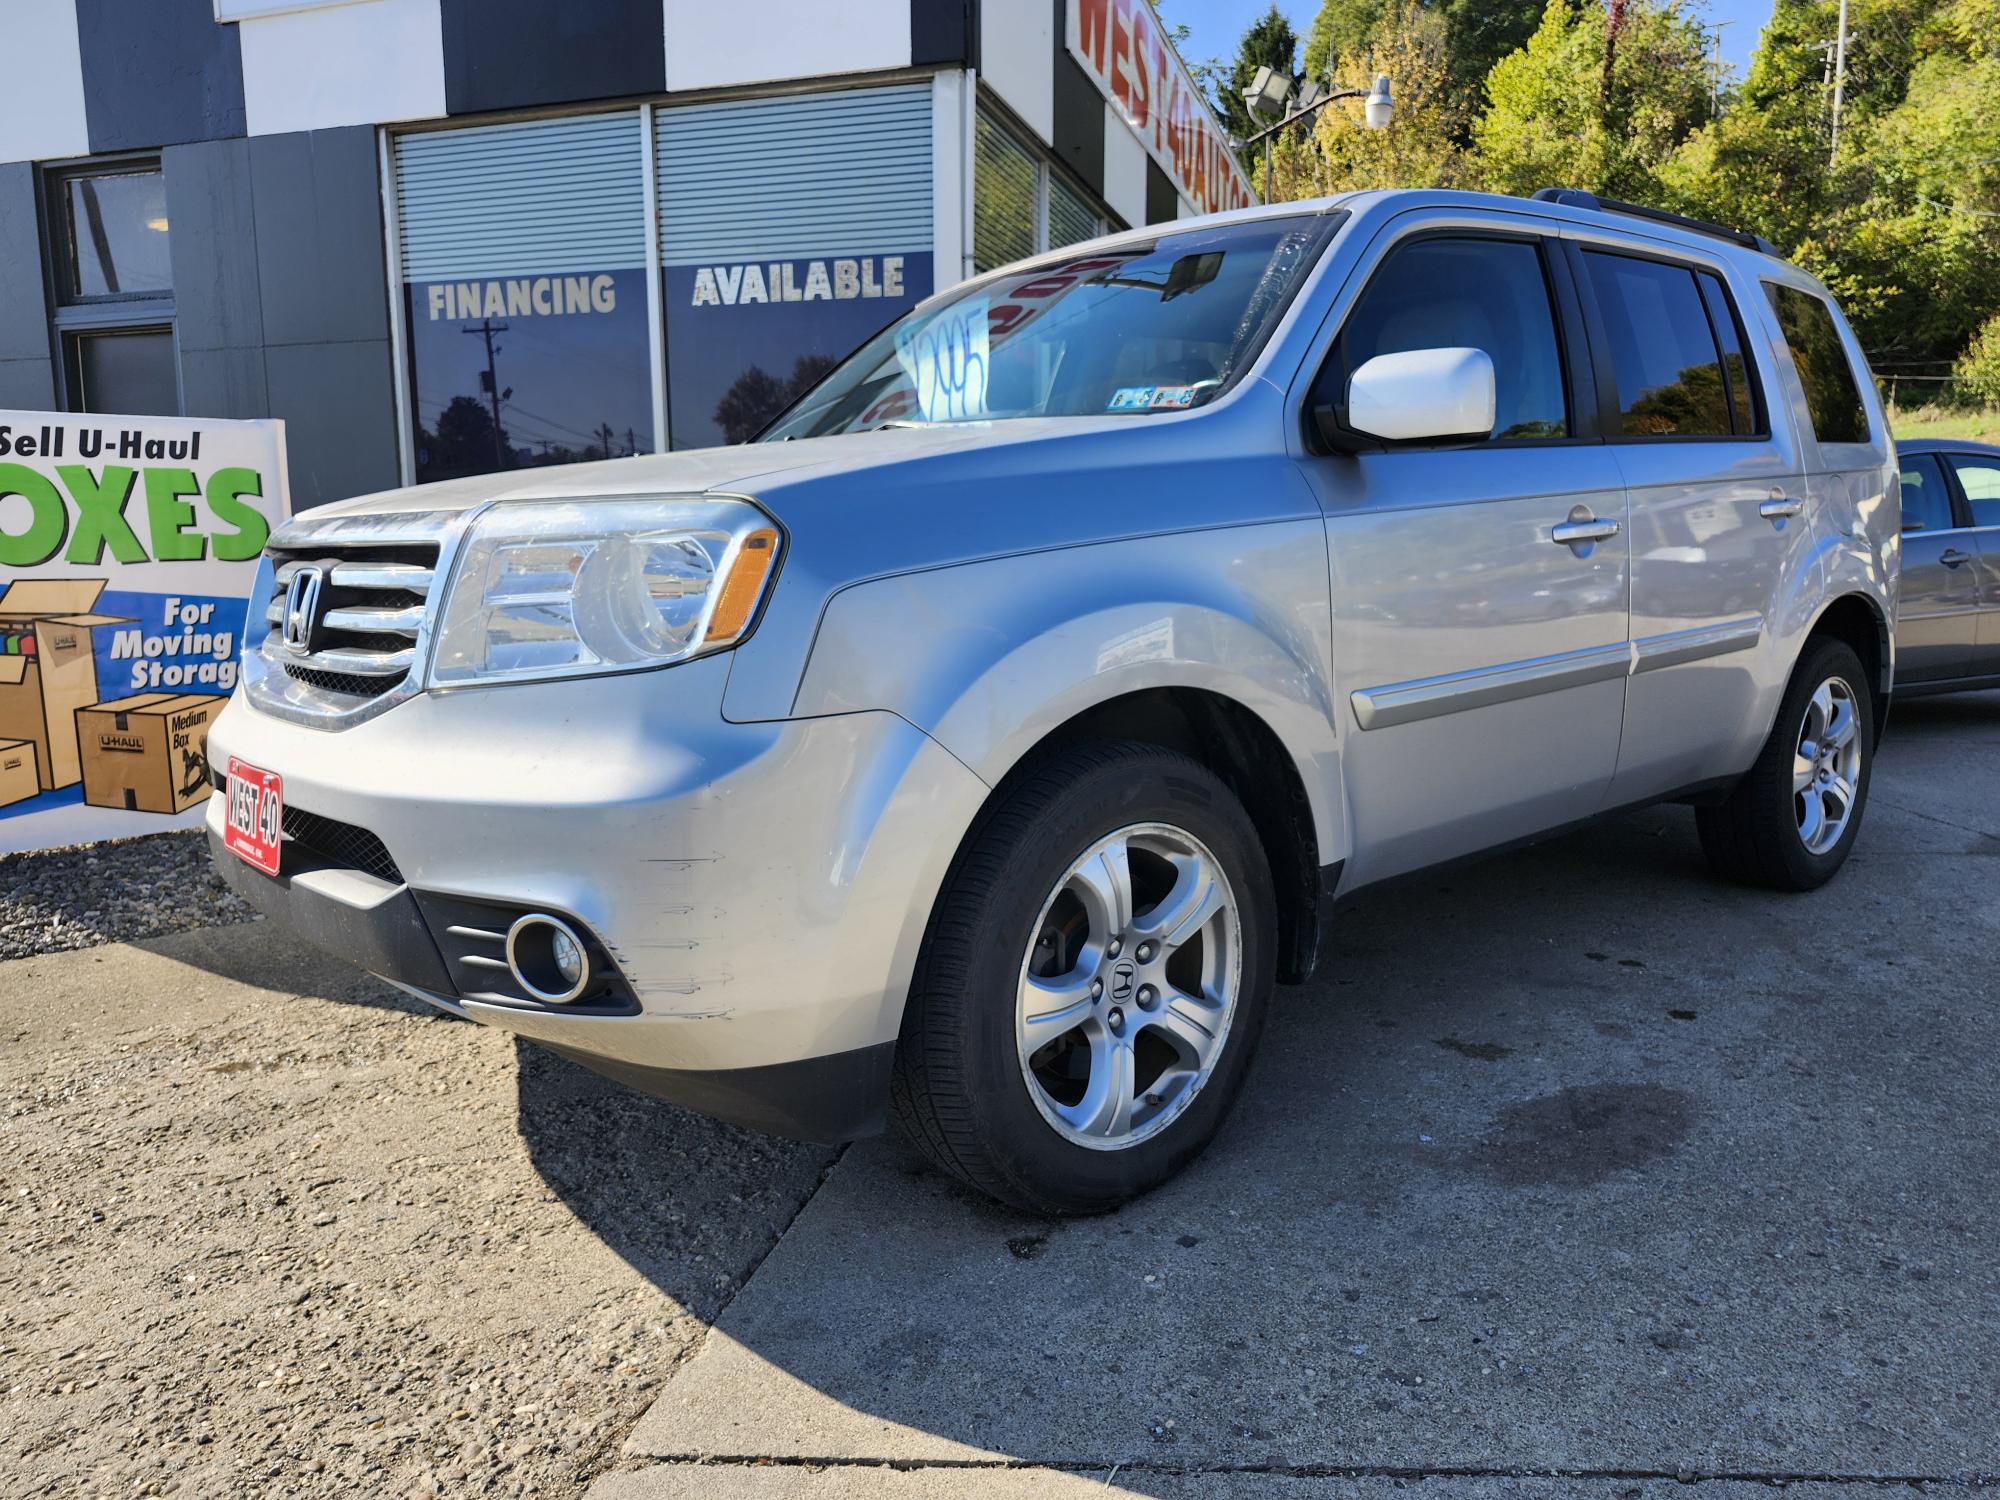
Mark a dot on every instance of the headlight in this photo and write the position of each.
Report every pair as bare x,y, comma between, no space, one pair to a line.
577,587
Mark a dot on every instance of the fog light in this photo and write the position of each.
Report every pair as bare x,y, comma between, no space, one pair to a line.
547,958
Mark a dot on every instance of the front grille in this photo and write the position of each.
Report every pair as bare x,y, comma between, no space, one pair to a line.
342,682
363,626
328,839
340,843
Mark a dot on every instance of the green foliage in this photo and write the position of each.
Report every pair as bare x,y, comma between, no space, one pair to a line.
1977,374
1619,96
1270,42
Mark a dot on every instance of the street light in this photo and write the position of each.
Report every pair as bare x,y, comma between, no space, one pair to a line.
1270,93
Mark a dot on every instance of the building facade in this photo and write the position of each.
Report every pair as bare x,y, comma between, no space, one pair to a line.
445,237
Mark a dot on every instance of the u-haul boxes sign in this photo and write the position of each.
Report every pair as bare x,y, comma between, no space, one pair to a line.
1123,48
127,550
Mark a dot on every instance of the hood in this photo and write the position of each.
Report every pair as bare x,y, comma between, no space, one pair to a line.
696,470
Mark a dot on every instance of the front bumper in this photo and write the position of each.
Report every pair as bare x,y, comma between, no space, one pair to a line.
762,888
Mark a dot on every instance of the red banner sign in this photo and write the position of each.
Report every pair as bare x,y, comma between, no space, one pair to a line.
1126,53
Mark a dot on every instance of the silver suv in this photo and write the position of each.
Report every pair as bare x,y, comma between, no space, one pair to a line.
983,744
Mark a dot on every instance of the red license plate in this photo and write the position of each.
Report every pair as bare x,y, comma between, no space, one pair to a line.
254,817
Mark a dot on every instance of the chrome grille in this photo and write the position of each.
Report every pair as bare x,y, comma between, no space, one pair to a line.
346,607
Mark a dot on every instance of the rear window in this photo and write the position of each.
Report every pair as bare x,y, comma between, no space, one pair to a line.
1664,350
1833,396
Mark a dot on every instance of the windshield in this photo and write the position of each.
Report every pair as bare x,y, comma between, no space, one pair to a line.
1151,327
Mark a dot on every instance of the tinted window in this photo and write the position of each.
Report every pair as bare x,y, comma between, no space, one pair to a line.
1003,196
1832,396
1670,381
1735,365
1926,498
1980,479
130,370
1465,294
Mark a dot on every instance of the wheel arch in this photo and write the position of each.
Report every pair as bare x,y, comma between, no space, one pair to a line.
1858,620
1248,756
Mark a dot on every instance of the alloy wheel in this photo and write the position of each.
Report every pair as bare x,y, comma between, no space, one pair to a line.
1826,767
1129,986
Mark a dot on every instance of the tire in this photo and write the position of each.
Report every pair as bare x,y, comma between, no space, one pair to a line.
1025,1110
1763,835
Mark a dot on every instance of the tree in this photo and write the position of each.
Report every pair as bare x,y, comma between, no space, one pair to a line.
464,443
1599,98
1270,42
1410,43
1340,29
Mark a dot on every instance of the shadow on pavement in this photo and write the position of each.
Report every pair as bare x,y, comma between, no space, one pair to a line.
1572,1159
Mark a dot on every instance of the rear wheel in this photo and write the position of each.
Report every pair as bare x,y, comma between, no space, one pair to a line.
1093,983
1792,820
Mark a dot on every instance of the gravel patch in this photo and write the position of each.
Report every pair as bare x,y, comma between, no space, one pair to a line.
61,899
267,1228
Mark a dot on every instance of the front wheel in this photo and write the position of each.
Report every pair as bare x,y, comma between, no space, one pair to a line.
1792,820
1093,982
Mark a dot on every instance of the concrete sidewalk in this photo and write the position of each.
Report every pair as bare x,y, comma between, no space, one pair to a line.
1573,1162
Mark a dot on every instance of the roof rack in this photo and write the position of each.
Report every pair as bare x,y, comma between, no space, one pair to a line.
1578,198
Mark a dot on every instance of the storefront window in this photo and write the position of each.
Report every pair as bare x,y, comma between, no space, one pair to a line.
114,285
524,255
1021,205
791,230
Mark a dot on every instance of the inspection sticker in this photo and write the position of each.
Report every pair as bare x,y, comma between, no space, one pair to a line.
1131,398
1178,397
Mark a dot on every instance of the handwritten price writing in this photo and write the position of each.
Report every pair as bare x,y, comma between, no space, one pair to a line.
946,360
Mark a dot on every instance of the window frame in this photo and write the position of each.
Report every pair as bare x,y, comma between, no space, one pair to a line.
1611,410
1047,169
1565,314
1961,503
1954,496
72,316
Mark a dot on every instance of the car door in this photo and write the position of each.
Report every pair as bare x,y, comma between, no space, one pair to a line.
1978,476
1716,496
1937,615
1479,657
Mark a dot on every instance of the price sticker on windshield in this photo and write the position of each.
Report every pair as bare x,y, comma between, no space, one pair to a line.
945,358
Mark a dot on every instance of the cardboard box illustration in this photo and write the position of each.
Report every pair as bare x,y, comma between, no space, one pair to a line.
147,753
18,781
48,669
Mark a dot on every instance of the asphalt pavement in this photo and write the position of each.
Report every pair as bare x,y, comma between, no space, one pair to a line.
1574,1162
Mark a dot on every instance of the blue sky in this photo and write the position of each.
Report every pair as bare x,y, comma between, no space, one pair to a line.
1218,25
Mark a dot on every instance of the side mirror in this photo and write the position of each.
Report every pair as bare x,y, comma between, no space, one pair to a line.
1424,395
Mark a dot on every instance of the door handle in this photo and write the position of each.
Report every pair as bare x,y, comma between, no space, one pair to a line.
1951,557
1779,508
1572,533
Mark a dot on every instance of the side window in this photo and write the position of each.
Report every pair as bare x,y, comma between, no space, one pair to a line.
1833,398
1670,380
1980,479
1464,294
1735,364
1926,497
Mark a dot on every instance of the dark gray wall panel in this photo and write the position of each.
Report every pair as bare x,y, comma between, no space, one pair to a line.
1163,203
27,379
24,302
320,259
946,31
223,383
1079,112
507,54
213,242
339,415
158,73
27,384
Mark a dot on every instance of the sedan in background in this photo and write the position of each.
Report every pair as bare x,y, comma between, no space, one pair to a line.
1948,626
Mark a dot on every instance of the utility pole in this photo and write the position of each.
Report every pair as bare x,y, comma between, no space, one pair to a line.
604,437
486,329
1839,81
